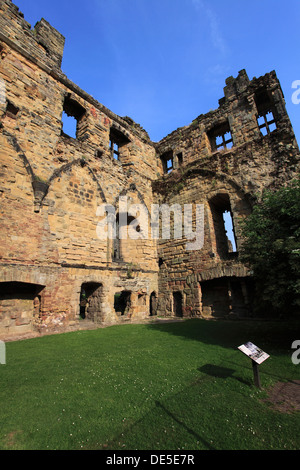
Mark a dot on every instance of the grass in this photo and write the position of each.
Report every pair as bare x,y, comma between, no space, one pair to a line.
159,387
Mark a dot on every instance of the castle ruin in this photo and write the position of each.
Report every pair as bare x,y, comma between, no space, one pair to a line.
55,269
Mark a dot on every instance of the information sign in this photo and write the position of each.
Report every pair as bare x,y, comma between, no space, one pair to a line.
255,353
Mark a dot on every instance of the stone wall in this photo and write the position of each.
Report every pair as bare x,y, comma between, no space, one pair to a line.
52,184
223,160
55,268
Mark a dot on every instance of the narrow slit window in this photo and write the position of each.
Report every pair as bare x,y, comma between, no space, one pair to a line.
114,148
227,217
180,159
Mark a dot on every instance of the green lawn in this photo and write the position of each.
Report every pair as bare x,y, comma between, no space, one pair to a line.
164,386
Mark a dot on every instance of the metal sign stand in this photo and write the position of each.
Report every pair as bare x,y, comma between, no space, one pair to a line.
257,356
256,374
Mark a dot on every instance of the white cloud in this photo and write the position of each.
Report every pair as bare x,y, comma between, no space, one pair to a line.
217,38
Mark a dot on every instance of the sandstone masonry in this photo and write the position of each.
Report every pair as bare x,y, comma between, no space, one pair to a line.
55,270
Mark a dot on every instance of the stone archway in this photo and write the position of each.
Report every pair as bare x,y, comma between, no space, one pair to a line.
20,306
153,304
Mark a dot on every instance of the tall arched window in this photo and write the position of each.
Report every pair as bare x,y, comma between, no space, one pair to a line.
223,224
122,242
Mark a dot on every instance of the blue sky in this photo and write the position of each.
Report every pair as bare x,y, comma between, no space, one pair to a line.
164,62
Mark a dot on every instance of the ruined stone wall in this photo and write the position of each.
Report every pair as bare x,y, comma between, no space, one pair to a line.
223,177
52,184
56,268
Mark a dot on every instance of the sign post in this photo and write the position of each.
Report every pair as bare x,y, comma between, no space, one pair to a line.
257,356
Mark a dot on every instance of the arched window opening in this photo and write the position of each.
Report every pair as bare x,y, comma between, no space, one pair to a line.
123,220
224,230
20,305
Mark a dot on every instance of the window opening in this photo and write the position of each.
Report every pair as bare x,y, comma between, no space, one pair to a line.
169,165
167,161
98,153
69,125
116,141
223,225
116,242
220,137
227,217
114,148
11,110
266,123
265,118
180,159
118,248
72,114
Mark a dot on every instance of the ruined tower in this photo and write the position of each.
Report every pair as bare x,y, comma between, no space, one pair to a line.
55,268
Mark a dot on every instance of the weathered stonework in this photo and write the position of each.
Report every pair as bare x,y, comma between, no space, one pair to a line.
55,269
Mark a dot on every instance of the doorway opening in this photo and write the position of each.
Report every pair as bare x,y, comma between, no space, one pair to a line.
122,302
90,301
153,304
20,305
177,304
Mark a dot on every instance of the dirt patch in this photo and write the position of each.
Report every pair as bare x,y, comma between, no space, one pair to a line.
285,396
11,439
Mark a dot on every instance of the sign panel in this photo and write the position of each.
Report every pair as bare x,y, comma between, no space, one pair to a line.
255,353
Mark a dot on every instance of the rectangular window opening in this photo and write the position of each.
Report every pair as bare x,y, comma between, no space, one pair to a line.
11,110
266,123
167,161
69,125
220,137
180,159
169,165
264,105
72,115
114,148
117,140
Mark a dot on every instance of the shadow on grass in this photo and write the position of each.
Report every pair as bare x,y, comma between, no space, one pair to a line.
190,431
162,428
221,372
272,335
